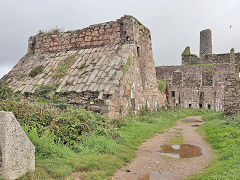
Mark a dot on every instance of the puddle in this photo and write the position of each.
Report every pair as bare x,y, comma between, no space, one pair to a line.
153,175
180,151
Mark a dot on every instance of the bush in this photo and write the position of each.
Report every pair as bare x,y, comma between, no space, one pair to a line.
161,86
68,125
5,92
36,70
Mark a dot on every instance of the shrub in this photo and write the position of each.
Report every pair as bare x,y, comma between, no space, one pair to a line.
67,125
5,92
161,85
36,70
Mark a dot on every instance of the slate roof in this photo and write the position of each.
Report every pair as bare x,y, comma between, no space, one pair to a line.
94,70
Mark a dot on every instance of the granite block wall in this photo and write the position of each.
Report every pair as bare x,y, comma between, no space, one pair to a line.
109,33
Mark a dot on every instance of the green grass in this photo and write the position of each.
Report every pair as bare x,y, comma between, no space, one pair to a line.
99,155
36,70
224,136
125,67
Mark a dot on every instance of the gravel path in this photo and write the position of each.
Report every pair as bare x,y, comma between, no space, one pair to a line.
150,165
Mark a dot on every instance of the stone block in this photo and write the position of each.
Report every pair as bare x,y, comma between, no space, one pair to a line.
16,150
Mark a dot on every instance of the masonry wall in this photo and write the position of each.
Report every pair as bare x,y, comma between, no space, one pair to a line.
109,33
232,91
138,87
192,59
196,86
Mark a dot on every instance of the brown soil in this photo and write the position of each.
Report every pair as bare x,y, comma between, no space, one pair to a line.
149,164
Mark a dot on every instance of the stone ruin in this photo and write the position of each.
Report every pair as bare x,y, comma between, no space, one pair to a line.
106,68
17,153
210,81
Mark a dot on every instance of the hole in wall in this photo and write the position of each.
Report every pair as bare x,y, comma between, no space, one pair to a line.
209,106
133,104
138,51
190,106
173,93
200,106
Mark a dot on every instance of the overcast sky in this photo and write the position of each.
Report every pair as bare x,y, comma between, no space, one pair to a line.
174,24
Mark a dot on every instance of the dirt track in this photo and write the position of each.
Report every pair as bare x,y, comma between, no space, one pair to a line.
150,165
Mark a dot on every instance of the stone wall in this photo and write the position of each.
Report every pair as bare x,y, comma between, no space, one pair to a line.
191,59
109,33
138,87
232,92
107,68
196,86
17,151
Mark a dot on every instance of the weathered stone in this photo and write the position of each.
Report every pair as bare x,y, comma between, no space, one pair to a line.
209,81
17,153
95,57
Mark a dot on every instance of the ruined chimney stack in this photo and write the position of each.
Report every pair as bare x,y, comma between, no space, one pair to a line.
205,42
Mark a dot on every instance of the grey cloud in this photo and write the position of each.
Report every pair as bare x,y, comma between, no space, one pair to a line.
174,24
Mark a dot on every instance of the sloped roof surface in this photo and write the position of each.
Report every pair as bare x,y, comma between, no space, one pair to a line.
95,70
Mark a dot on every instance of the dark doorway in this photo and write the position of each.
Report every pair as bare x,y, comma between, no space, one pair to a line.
209,106
200,106
133,104
173,93
190,106
138,51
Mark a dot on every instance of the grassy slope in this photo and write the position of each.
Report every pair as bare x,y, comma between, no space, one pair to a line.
224,136
99,156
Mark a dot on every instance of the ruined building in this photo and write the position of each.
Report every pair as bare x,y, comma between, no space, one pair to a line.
106,68
209,81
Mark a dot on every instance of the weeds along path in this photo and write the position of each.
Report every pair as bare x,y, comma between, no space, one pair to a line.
149,164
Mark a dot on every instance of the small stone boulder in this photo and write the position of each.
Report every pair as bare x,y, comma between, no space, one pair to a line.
17,153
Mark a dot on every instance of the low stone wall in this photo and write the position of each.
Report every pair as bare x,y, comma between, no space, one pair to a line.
109,33
192,59
16,150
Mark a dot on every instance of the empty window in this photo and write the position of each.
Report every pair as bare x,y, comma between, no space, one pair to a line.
173,93
207,78
209,106
200,106
138,51
133,104
190,105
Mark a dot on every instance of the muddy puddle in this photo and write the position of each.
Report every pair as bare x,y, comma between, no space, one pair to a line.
153,175
180,151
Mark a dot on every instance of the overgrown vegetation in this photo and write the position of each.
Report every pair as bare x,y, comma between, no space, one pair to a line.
72,139
161,86
125,67
53,31
5,92
186,51
36,70
224,136
65,64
